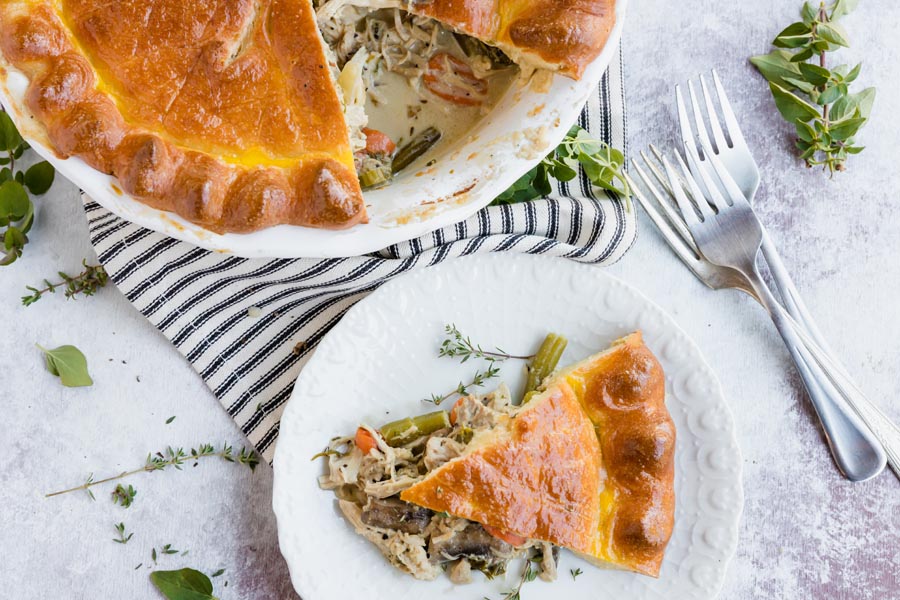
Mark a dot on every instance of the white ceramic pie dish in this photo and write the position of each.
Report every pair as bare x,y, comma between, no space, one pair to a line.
380,361
522,128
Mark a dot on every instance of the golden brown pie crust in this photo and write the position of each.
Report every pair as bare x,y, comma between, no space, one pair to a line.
223,111
588,464
562,35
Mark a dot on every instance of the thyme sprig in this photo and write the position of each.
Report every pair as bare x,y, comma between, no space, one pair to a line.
176,458
529,574
458,345
122,539
91,279
462,389
124,495
461,346
812,97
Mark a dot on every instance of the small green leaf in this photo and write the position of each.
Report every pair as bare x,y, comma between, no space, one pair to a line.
9,135
14,200
792,107
39,177
843,8
14,238
184,584
845,129
833,33
803,86
69,364
864,101
853,74
809,13
805,132
794,35
804,54
561,170
815,74
829,95
848,104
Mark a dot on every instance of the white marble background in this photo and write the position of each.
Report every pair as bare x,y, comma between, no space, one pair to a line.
806,532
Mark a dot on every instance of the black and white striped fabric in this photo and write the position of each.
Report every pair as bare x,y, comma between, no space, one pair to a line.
249,325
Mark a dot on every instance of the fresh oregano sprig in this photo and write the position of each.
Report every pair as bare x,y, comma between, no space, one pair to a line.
602,164
91,279
814,98
176,458
16,207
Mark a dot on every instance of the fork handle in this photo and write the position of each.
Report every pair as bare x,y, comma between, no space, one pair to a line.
855,450
887,432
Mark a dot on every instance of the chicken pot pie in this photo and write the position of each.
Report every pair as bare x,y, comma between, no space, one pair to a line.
243,114
586,464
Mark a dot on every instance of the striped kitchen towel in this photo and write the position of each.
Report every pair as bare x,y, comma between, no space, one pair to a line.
248,325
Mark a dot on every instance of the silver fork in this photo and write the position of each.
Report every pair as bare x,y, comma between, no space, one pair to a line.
729,235
734,155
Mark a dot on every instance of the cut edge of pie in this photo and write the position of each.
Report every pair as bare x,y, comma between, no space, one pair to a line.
588,464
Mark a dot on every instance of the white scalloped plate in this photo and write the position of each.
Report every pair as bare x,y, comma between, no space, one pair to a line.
520,130
381,359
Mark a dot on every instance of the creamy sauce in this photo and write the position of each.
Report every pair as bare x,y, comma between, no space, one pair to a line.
412,72
406,111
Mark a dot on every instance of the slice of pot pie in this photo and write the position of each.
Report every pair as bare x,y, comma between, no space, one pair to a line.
242,114
586,464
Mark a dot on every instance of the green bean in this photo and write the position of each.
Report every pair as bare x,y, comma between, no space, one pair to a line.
398,433
418,146
544,362
373,177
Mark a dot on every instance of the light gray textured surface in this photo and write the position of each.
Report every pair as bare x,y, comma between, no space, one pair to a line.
806,532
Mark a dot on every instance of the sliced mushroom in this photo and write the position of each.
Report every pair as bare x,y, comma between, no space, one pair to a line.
393,513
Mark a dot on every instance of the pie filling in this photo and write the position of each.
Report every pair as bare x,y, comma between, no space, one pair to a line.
409,83
413,538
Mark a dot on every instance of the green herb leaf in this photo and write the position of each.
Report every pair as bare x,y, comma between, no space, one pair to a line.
69,364
792,107
843,8
847,105
794,35
39,177
601,163
14,201
184,584
833,33
845,129
815,74
808,13
9,135
776,66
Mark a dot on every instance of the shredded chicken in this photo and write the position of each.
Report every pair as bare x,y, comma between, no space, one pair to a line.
413,538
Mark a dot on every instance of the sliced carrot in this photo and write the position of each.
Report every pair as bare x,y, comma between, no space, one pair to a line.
365,441
510,538
378,142
456,405
453,80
